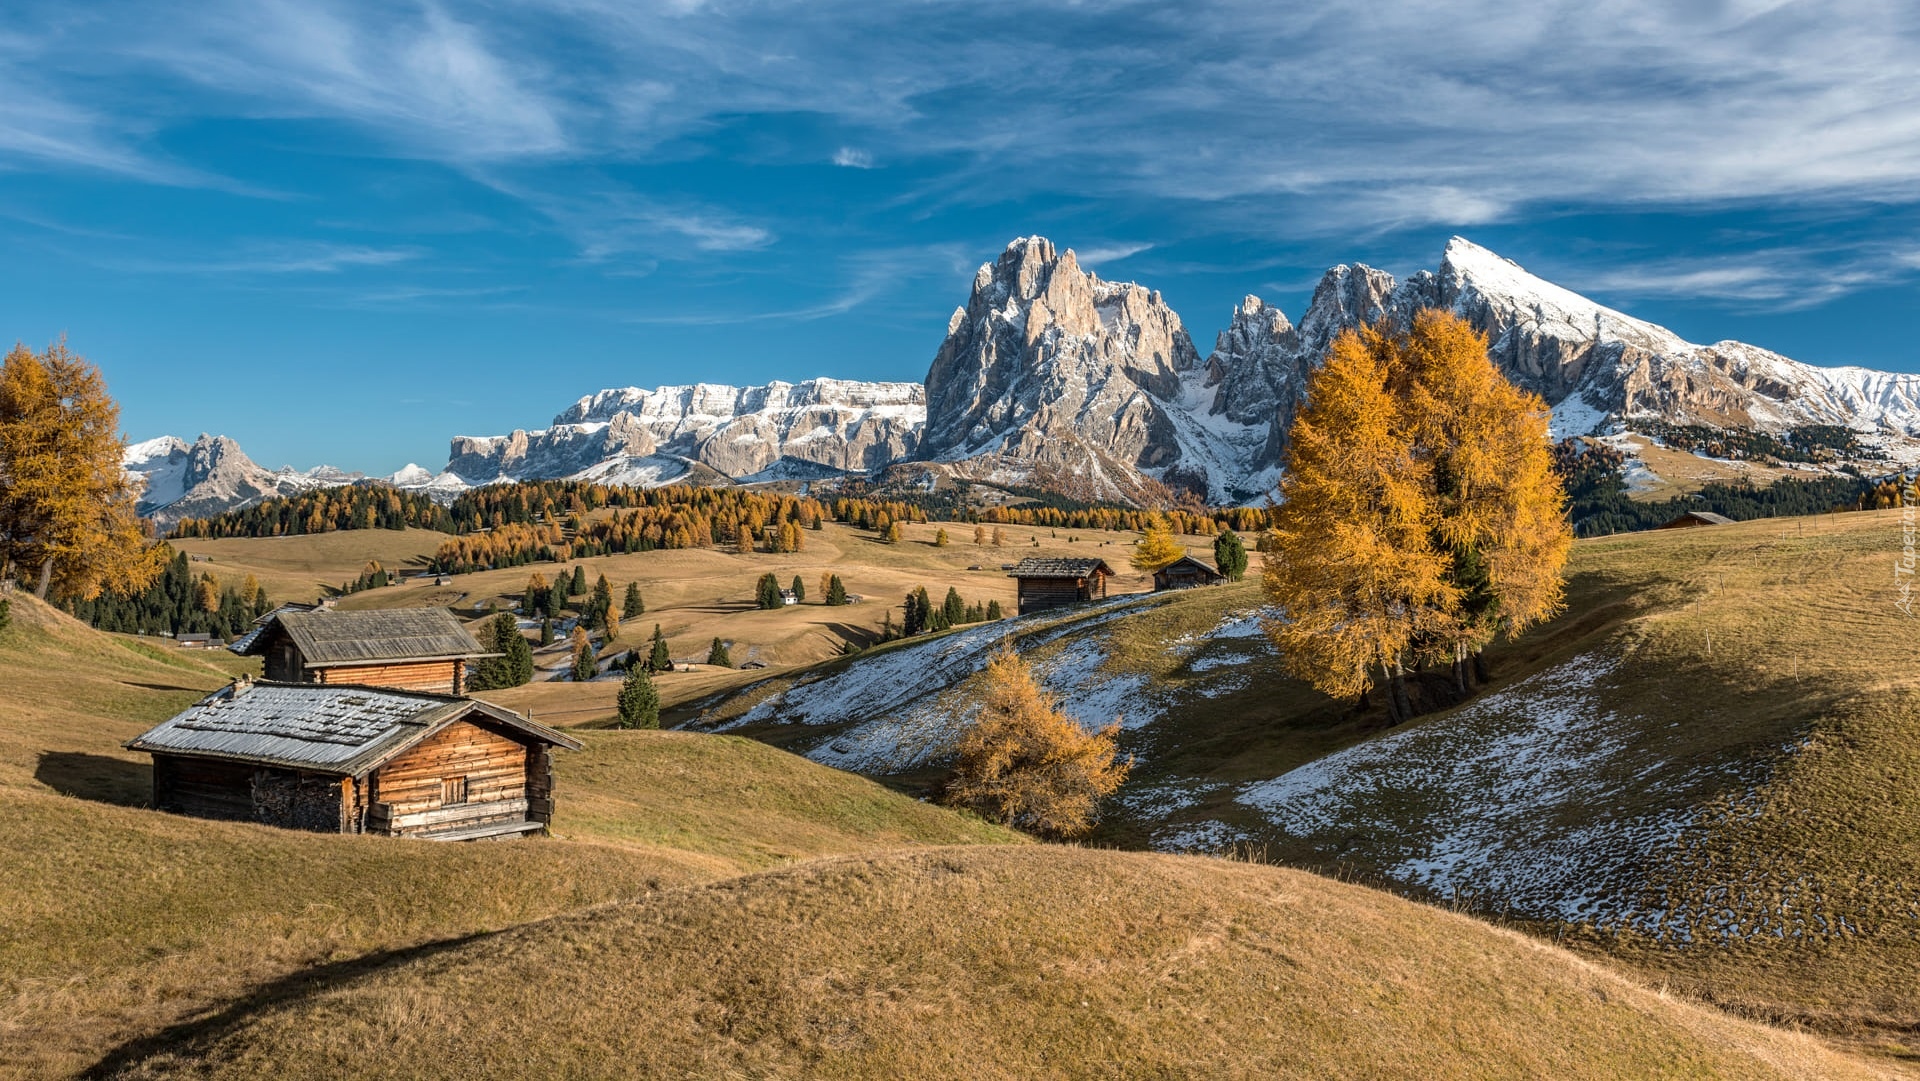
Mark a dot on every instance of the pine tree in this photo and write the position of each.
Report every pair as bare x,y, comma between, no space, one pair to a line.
954,608
993,610
546,631
534,598
519,666
767,593
799,590
66,507
601,605
633,607
659,660
1026,764
1156,549
577,585
639,701
718,656
1230,555
557,597
836,592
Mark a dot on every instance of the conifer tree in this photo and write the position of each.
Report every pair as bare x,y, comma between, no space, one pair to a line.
1351,561
585,663
836,592
767,593
1155,549
718,655
799,590
67,515
1230,555
659,660
895,534
954,608
633,607
993,610
826,586
1026,764
639,702
577,585
546,631
519,666
613,626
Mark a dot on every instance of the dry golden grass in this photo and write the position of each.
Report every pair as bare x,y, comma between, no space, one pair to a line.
1681,472
303,568
1040,962
120,921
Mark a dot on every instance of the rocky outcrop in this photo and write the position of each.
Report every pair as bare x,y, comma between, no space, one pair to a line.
212,474
636,436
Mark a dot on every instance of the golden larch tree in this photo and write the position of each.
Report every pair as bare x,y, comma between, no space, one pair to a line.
66,506
1156,549
1026,764
1350,561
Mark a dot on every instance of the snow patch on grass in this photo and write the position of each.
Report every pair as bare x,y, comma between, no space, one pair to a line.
1497,800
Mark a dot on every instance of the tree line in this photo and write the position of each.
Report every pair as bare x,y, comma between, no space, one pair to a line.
324,510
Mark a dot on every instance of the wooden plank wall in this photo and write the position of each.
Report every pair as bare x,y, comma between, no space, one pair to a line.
243,792
434,677
495,768
1039,593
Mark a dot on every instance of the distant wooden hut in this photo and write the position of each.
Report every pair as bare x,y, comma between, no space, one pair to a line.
345,759
1695,518
1185,573
414,649
1052,583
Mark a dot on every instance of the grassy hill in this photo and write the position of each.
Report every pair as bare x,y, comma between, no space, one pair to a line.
120,920
1708,768
988,963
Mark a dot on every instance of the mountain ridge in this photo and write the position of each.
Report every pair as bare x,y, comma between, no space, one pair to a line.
1050,376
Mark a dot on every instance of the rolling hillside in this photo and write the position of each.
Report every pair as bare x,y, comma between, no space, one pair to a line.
1708,767
1041,962
121,921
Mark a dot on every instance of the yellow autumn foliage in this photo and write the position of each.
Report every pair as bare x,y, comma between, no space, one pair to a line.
1024,763
1156,549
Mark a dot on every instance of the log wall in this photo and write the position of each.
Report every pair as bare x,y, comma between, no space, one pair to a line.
1037,594
433,677
405,794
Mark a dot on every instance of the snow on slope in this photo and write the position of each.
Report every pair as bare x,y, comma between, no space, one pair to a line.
1496,800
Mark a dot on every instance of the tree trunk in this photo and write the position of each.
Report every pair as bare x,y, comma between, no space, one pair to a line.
1394,716
1480,668
46,578
1460,669
1397,687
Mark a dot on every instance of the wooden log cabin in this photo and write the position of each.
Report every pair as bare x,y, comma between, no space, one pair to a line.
1185,573
411,649
334,758
1054,583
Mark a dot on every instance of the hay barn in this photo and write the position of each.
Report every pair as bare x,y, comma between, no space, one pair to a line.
412,649
1053,583
345,759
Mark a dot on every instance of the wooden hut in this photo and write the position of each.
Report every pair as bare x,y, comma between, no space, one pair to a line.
1696,518
344,759
1052,583
413,649
1185,573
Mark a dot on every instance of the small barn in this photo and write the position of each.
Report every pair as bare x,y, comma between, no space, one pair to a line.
1185,573
1695,518
1052,583
344,759
413,649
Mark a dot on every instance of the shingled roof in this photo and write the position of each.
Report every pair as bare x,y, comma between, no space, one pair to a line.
326,637
328,728
1051,567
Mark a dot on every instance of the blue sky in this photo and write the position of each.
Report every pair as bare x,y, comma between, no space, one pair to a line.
345,232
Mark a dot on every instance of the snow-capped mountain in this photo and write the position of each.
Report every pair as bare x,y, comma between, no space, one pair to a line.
210,475
705,432
1051,376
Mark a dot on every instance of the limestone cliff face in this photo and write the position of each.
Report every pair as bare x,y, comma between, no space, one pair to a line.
652,436
1049,370
212,474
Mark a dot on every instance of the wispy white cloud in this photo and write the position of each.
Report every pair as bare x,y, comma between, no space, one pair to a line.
852,158
1781,279
1108,253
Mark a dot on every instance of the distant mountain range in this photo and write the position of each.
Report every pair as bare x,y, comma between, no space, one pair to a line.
1051,377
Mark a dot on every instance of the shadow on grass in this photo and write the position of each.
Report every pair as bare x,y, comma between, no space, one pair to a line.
191,1039
96,777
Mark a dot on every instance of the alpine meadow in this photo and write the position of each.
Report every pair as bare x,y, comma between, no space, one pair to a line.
850,635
